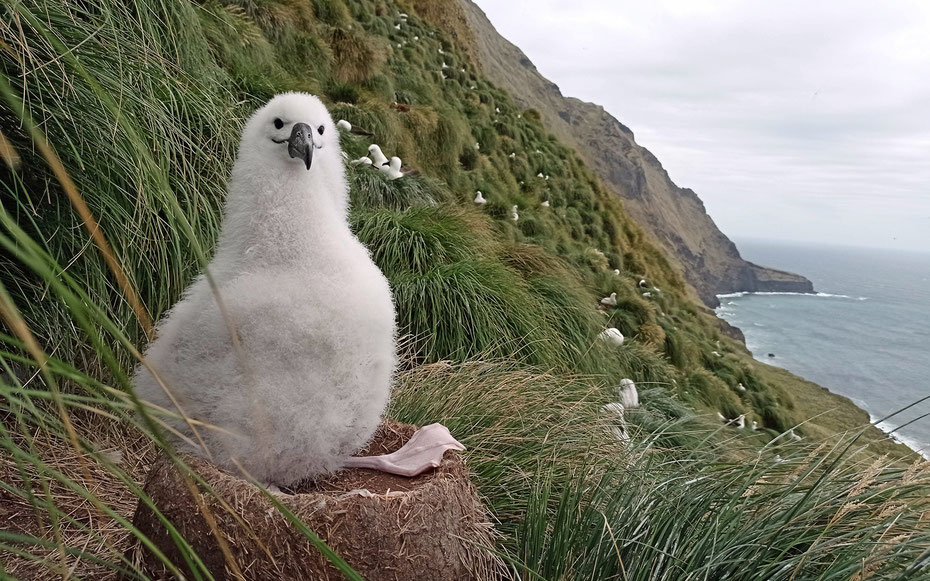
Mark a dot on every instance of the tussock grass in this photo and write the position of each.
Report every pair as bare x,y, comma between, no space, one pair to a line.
372,189
355,58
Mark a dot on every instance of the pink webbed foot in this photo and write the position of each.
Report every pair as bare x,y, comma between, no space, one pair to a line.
423,451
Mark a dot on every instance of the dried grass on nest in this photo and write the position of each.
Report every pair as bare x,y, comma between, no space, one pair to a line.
430,527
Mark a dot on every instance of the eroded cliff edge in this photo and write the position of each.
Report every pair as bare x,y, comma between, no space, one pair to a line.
675,216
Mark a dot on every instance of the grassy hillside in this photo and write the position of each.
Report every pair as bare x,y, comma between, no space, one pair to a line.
119,124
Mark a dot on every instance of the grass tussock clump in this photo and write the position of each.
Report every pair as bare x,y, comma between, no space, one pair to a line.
373,189
355,58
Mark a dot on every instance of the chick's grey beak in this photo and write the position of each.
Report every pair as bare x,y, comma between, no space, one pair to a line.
300,143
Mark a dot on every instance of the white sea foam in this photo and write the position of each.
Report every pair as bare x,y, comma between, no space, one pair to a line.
769,293
921,448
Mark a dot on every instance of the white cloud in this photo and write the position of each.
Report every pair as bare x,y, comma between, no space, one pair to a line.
795,120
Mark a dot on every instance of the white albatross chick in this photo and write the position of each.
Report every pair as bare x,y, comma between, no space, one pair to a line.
610,301
619,429
276,378
392,170
513,213
627,394
611,335
343,125
361,161
642,282
479,198
617,271
377,156
545,204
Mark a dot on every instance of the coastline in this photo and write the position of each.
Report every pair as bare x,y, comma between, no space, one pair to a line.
878,423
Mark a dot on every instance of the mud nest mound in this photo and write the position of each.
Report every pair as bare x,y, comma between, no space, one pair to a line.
389,527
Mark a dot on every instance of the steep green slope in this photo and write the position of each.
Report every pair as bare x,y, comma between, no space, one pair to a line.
675,216
143,101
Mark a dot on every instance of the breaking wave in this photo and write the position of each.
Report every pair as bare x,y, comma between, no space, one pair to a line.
822,295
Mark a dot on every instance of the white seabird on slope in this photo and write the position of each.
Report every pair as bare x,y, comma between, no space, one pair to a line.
377,156
479,198
344,125
392,170
619,431
259,369
610,301
627,394
361,161
513,213
611,335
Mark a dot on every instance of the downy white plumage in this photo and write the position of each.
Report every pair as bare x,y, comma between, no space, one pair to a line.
288,365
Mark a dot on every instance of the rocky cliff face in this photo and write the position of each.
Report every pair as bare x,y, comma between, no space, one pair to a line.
674,216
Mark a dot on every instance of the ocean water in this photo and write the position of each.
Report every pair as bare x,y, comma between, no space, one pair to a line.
866,335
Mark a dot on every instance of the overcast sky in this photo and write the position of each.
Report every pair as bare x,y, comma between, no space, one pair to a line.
794,120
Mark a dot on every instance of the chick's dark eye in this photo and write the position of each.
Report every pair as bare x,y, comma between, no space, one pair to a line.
278,124
320,129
